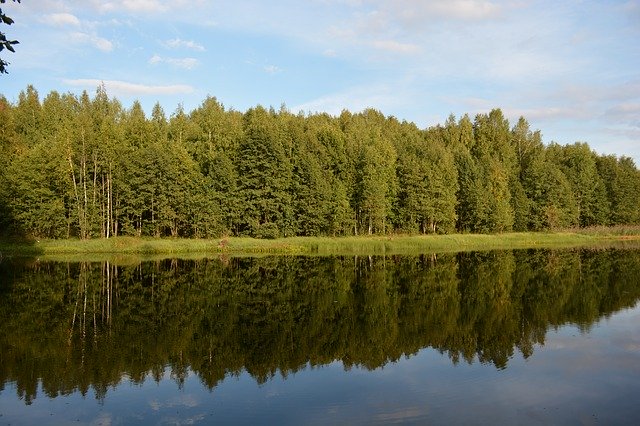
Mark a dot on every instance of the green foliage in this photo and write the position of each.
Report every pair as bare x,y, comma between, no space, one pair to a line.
4,42
265,176
578,163
553,204
622,185
498,167
312,195
526,145
34,182
470,206
373,163
82,166
428,181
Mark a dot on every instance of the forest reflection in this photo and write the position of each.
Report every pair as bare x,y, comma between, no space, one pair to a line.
77,327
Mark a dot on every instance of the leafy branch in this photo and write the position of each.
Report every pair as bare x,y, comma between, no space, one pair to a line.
4,42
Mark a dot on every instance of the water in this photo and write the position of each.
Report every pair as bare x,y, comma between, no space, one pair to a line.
524,337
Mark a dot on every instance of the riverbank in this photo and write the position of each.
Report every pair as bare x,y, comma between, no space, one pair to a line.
392,244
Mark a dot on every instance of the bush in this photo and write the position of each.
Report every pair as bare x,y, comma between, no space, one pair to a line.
268,231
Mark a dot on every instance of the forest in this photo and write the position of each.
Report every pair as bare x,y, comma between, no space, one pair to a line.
86,167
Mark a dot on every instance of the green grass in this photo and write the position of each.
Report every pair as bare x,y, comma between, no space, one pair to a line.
132,247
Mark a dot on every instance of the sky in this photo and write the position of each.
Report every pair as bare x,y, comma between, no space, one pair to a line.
570,67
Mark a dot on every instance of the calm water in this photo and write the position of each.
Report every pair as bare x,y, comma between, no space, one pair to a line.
524,337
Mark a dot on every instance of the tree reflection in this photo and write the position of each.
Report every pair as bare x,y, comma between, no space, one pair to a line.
85,326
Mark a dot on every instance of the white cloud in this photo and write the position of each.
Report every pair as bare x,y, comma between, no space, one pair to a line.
624,113
195,419
268,68
378,96
76,31
272,69
608,104
188,400
103,419
626,91
185,63
98,42
467,10
548,113
117,87
62,20
412,18
147,6
178,43
396,47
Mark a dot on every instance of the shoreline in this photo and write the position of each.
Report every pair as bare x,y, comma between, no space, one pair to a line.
353,245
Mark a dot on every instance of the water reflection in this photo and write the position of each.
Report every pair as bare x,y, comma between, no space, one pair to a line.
82,327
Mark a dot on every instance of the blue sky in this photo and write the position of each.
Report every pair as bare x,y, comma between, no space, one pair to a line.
571,67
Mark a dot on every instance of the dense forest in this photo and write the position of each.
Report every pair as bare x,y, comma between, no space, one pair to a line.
77,166
83,326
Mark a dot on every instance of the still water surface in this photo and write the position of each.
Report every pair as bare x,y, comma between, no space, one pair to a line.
523,337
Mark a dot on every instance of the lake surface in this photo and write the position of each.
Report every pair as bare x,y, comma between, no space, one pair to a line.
506,337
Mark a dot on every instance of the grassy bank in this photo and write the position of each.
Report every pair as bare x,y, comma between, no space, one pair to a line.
396,244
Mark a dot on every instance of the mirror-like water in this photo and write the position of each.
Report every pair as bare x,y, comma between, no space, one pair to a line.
529,337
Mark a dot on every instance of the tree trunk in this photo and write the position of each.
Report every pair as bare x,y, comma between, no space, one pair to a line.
76,194
84,233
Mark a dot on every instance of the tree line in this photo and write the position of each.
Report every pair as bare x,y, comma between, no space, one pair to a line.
86,167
